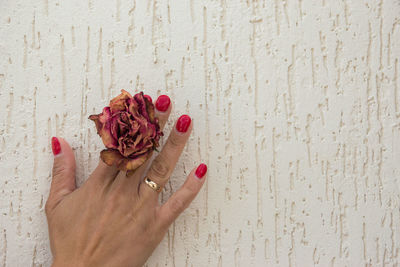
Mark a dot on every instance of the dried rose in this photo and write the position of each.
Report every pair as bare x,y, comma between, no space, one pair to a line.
129,130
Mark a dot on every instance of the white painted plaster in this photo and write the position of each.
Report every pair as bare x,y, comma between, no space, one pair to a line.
296,110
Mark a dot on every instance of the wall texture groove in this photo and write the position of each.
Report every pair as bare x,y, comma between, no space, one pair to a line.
296,108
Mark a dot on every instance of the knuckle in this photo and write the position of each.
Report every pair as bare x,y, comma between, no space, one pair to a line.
133,218
47,208
192,189
177,205
60,169
160,167
174,141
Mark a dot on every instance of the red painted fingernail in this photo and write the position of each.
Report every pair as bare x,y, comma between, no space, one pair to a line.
148,98
55,146
183,123
162,103
201,170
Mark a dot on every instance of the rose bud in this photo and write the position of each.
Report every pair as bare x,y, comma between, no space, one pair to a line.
129,130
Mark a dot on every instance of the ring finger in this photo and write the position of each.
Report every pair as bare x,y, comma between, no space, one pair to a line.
163,165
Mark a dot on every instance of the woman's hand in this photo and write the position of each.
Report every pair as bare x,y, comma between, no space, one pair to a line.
115,219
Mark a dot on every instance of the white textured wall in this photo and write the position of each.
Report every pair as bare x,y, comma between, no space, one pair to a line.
296,106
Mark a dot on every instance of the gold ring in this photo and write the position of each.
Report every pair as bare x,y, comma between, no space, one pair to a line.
152,185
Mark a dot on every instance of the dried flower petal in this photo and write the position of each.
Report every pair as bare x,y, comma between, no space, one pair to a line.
129,129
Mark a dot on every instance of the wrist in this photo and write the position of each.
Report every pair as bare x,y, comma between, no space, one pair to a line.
61,263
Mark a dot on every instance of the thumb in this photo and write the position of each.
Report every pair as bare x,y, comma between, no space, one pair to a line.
63,181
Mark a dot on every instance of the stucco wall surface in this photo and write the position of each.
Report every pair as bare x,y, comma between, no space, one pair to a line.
296,110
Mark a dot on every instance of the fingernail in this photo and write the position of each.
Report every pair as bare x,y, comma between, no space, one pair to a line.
55,146
148,98
183,123
162,103
201,170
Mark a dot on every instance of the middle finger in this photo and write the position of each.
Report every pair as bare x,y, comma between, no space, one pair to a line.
131,180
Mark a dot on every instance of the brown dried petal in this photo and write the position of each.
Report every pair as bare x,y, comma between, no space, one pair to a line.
128,164
129,129
103,126
111,157
119,103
